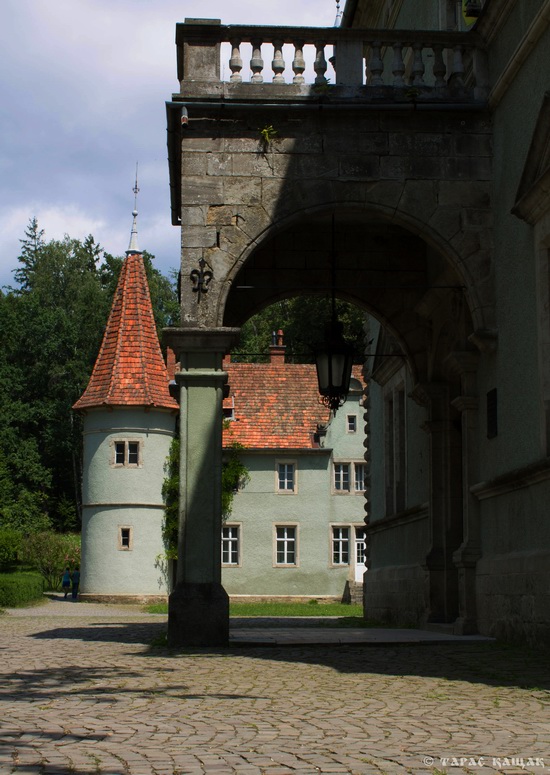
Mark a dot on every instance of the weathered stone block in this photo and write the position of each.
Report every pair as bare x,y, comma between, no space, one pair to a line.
396,167
193,163
363,142
193,216
367,167
220,215
198,237
238,190
419,199
219,164
202,190
468,168
254,164
430,167
464,193
197,142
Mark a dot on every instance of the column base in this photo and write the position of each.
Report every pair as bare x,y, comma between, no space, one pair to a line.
198,615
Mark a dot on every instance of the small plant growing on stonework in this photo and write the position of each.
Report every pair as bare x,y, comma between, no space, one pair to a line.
267,135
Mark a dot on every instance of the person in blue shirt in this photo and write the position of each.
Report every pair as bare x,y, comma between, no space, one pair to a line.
75,578
66,582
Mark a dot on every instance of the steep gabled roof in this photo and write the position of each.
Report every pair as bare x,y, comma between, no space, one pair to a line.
275,405
129,370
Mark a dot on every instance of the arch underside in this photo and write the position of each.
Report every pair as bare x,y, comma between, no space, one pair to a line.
381,267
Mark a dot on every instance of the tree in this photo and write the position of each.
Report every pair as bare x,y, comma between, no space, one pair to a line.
51,325
302,319
50,553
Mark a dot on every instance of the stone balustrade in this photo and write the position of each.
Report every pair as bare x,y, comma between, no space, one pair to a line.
375,64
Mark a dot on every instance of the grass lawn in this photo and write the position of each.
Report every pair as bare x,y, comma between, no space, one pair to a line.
354,613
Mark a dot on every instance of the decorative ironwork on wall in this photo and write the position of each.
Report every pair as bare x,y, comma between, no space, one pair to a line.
201,279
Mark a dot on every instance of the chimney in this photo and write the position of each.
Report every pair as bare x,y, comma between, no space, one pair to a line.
277,349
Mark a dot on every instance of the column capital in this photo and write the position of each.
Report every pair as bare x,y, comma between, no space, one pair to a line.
186,340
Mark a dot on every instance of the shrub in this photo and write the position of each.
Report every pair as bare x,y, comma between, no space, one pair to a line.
50,553
10,546
17,589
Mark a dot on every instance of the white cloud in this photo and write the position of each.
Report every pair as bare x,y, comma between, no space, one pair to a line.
83,95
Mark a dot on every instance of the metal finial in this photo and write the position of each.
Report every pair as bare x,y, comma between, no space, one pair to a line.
133,246
338,14
135,188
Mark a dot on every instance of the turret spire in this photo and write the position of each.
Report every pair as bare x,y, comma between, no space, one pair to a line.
338,19
133,246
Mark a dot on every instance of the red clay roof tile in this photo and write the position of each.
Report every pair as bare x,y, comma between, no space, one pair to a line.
129,370
276,405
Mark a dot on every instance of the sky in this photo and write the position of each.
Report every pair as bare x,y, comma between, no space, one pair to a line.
82,96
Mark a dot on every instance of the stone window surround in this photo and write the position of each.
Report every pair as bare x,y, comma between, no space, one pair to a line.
290,462
351,464
340,540
113,445
296,527
351,423
238,539
122,547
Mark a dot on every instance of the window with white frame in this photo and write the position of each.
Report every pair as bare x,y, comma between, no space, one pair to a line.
349,477
359,477
341,477
340,545
127,454
231,545
286,550
351,423
286,477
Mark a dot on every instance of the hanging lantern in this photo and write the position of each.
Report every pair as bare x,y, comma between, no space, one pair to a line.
334,364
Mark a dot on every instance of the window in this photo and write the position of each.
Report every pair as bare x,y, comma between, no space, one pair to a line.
360,478
230,545
350,477
125,538
341,476
352,423
286,477
127,453
340,545
285,545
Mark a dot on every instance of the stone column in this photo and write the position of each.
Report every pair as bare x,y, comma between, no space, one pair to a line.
469,552
198,610
443,503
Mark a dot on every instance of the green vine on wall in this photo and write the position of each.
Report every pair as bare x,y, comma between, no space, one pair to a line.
234,476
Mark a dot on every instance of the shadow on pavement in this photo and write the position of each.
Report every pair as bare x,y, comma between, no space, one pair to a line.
493,664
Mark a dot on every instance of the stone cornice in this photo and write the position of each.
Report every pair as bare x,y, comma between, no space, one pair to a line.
513,480
406,517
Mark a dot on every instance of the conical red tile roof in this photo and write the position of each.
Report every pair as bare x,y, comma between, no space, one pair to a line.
129,370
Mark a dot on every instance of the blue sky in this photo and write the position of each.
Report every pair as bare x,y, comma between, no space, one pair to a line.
82,99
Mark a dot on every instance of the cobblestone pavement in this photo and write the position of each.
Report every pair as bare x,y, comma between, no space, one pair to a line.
94,694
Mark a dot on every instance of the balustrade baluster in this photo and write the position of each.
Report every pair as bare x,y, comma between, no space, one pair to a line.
236,63
418,68
376,65
458,64
320,64
278,63
398,65
298,63
439,68
457,75
257,63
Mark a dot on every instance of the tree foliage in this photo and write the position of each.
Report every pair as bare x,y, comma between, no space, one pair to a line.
50,553
51,324
302,320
